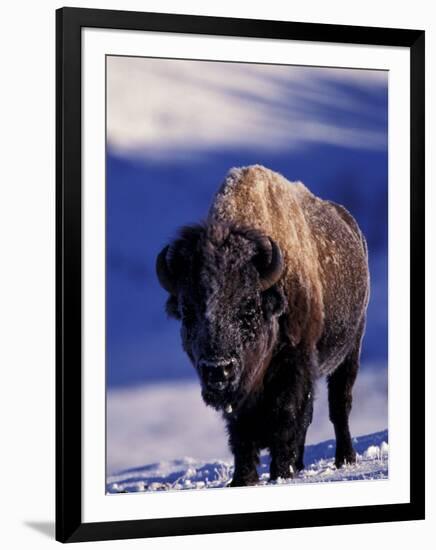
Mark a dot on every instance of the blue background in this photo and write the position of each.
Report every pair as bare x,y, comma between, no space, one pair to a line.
149,198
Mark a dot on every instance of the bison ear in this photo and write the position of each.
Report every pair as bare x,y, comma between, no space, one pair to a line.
171,260
164,272
172,308
167,280
273,302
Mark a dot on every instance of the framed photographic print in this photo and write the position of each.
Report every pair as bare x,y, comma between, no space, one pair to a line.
240,274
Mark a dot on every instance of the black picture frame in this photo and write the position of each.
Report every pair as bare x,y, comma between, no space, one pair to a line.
69,525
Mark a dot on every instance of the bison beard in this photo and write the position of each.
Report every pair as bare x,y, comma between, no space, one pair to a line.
272,293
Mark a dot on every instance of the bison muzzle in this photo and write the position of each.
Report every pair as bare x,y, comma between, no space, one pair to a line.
271,291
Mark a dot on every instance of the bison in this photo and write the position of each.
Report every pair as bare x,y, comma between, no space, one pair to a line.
271,291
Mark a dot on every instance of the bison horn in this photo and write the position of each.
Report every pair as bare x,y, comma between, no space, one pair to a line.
269,263
163,272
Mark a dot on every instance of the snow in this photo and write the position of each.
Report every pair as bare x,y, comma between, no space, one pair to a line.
158,422
189,473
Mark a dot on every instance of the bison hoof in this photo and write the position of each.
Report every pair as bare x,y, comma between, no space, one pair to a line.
283,472
299,466
245,481
345,458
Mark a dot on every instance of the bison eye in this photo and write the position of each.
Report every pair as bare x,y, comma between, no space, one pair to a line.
249,306
248,311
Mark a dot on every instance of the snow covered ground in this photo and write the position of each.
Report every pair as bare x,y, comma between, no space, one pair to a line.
164,421
190,473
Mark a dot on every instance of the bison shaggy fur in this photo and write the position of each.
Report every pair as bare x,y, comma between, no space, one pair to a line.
271,291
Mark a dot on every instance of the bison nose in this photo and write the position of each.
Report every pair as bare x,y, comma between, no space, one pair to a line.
216,373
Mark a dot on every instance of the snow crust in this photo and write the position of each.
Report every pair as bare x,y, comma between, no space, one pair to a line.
189,473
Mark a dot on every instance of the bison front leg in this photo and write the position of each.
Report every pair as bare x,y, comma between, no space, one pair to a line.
284,455
287,445
290,404
306,421
246,454
246,461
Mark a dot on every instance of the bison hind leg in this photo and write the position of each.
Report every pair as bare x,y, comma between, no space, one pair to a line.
340,387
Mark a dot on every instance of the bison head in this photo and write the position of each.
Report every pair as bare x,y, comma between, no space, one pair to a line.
223,287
